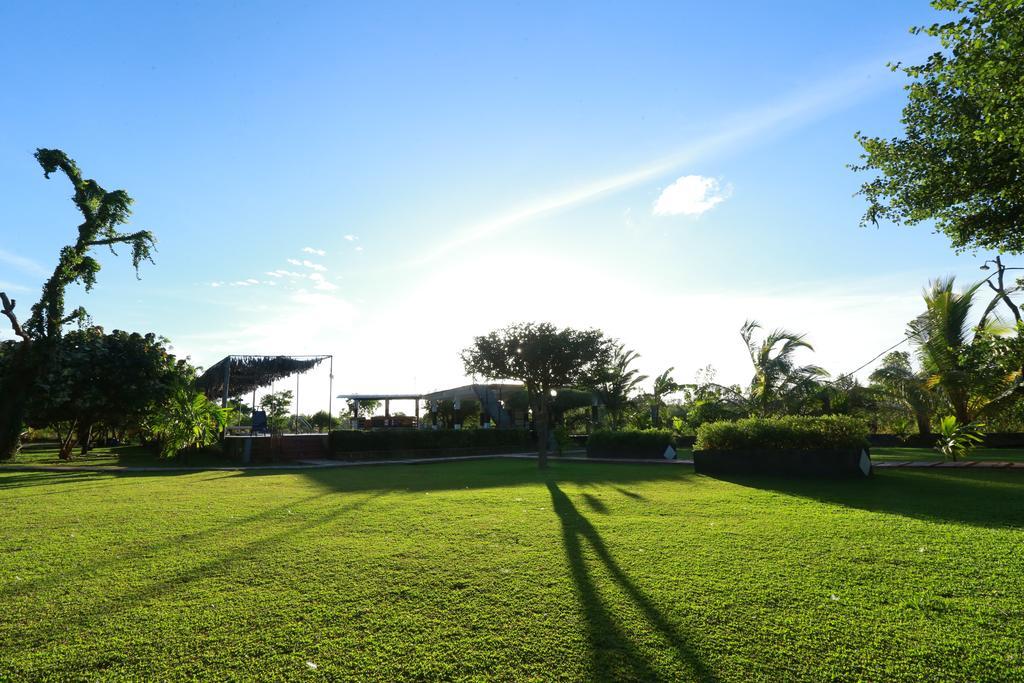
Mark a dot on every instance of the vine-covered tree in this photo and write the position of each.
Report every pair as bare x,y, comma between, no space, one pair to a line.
37,336
959,160
542,357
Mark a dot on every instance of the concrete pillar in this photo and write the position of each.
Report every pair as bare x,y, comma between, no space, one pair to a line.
387,412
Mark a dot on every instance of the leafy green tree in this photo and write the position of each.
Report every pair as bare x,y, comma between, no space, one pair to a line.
907,390
542,357
278,406
779,385
187,420
959,160
617,382
323,421
38,336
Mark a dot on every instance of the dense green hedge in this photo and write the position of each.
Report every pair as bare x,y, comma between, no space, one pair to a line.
831,432
406,440
646,443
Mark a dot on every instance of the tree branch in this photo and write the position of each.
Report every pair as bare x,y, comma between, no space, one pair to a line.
8,310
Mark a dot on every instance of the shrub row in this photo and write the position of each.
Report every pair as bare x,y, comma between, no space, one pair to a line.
344,442
831,432
646,443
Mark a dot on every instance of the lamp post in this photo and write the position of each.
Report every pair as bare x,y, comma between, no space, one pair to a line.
999,287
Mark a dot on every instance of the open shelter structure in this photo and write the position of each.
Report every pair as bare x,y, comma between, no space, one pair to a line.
241,375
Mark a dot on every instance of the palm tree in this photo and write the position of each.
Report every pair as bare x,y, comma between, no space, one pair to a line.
942,334
896,380
663,384
617,382
779,384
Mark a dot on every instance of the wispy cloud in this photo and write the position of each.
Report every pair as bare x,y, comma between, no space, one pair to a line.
308,264
312,250
351,238
798,108
691,195
22,263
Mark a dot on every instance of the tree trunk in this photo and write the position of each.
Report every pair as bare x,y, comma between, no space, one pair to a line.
924,423
542,435
68,442
85,437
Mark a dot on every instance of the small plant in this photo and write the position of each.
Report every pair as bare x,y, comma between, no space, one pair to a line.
187,420
957,440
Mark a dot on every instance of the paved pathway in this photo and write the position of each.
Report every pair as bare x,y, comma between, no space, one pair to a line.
313,464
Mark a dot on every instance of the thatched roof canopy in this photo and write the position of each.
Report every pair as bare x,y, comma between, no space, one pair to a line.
248,373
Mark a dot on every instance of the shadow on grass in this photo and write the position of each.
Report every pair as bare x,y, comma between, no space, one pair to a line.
481,474
984,498
613,654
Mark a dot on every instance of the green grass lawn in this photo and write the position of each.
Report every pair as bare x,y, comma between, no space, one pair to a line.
492,570
1007,454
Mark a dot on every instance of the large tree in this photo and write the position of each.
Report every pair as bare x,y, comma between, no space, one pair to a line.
38,335
544,358
103,380
960,160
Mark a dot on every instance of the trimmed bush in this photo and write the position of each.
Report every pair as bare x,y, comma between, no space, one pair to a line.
640,444
831,432
425,442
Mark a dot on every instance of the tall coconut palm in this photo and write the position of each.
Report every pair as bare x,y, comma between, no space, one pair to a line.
941,335
777,380
896,380
617,382
944,339
663,385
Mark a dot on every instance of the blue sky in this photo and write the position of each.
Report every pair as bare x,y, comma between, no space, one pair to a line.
383,181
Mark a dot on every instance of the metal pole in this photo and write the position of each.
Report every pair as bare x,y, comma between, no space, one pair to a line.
297,402
330,393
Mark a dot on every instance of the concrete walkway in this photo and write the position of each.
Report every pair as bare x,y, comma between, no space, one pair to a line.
313,464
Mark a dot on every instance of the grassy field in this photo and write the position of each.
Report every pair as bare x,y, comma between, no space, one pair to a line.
122,456
492,570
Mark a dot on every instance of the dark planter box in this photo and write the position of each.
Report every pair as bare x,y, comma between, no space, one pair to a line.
823,463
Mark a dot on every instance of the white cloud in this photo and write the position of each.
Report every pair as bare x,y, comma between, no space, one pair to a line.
351,238
359,248
691,195
311,250
21,263
295,262
321,283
